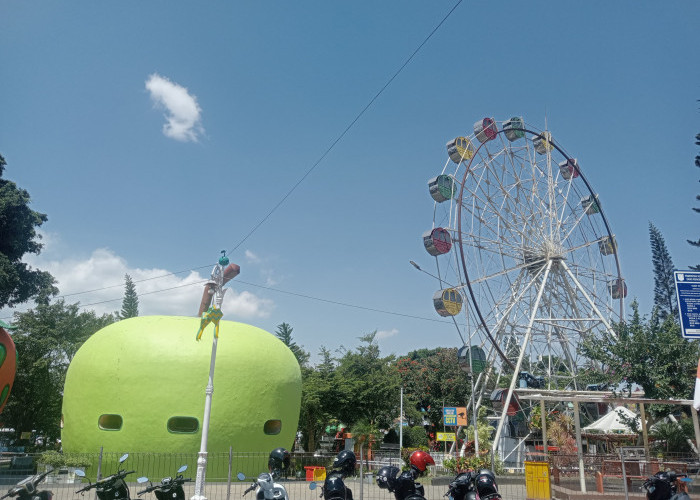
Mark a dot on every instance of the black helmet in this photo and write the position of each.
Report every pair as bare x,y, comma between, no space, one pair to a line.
279,460
486,484
345,462
334,488
386,477
658,486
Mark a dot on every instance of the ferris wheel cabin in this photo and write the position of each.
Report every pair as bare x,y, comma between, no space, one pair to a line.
607,245
543,143
569,169
442,188
618,289
460,149
485,130
437,241
591,204
447,302
514,123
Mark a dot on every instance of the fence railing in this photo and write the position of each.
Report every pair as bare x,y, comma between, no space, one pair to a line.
600,471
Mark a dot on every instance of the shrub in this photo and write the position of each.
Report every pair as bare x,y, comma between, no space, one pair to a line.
58,460
467,463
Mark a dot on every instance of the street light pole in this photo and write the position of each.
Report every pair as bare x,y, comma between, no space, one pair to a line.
213,290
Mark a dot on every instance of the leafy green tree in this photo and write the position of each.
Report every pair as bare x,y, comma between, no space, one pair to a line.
18,236
434,379
46,339
284,333
415,437
130,302
649,353
664,283
368,384
319,399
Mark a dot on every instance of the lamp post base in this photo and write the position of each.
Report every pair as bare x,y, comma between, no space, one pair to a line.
201,477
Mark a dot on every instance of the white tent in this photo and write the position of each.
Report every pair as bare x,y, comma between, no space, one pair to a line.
611,423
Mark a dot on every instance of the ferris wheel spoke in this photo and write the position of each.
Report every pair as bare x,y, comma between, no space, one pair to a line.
500,247
592,304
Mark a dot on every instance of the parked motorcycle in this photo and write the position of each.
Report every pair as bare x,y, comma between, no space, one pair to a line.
666,486
26,489
403,484
111,487
472,485
169,488
265,486
334,486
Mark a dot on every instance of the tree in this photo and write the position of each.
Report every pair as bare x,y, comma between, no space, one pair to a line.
696,243
130,302
319,399
664,282
648,353
18,236
434,379
284,333
46,339
368,386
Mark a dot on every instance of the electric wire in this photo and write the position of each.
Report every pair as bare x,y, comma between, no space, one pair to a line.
308,172
347,129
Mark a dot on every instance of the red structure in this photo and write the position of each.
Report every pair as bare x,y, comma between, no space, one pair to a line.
8,366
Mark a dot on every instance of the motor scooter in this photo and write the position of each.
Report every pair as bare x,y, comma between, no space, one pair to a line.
334,485
667,486
402,484
471,485
169,488
26,489
111,487
265,487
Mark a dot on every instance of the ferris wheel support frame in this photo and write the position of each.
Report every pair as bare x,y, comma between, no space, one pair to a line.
514,379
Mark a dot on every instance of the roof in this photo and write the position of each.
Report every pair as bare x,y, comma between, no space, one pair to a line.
611,423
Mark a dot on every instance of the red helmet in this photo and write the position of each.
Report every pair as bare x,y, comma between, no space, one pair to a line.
420,460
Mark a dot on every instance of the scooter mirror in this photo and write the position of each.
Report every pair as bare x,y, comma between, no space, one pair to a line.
182,469
123,457
240,476
80,472
142,480
313,485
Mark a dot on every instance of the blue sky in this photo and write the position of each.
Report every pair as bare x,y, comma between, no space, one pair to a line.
155,134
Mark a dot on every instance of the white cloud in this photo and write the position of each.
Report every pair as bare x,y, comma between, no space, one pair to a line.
98,284
182,113
385,334
251,257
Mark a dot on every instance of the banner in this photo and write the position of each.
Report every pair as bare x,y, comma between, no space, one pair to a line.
445,436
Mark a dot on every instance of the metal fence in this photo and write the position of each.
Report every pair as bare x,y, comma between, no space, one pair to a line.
600,471
222,468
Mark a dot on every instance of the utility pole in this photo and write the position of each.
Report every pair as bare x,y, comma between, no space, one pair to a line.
214,291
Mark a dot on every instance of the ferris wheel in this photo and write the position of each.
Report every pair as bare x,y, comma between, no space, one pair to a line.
527,262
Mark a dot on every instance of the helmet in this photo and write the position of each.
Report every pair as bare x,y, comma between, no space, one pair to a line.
420,460
345,461
386,477
279,460
334,488
658,486
486,484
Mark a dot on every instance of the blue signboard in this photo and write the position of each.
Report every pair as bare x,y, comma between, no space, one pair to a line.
449,416
688,293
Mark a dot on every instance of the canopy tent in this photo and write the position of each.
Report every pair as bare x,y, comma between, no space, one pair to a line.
612,423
